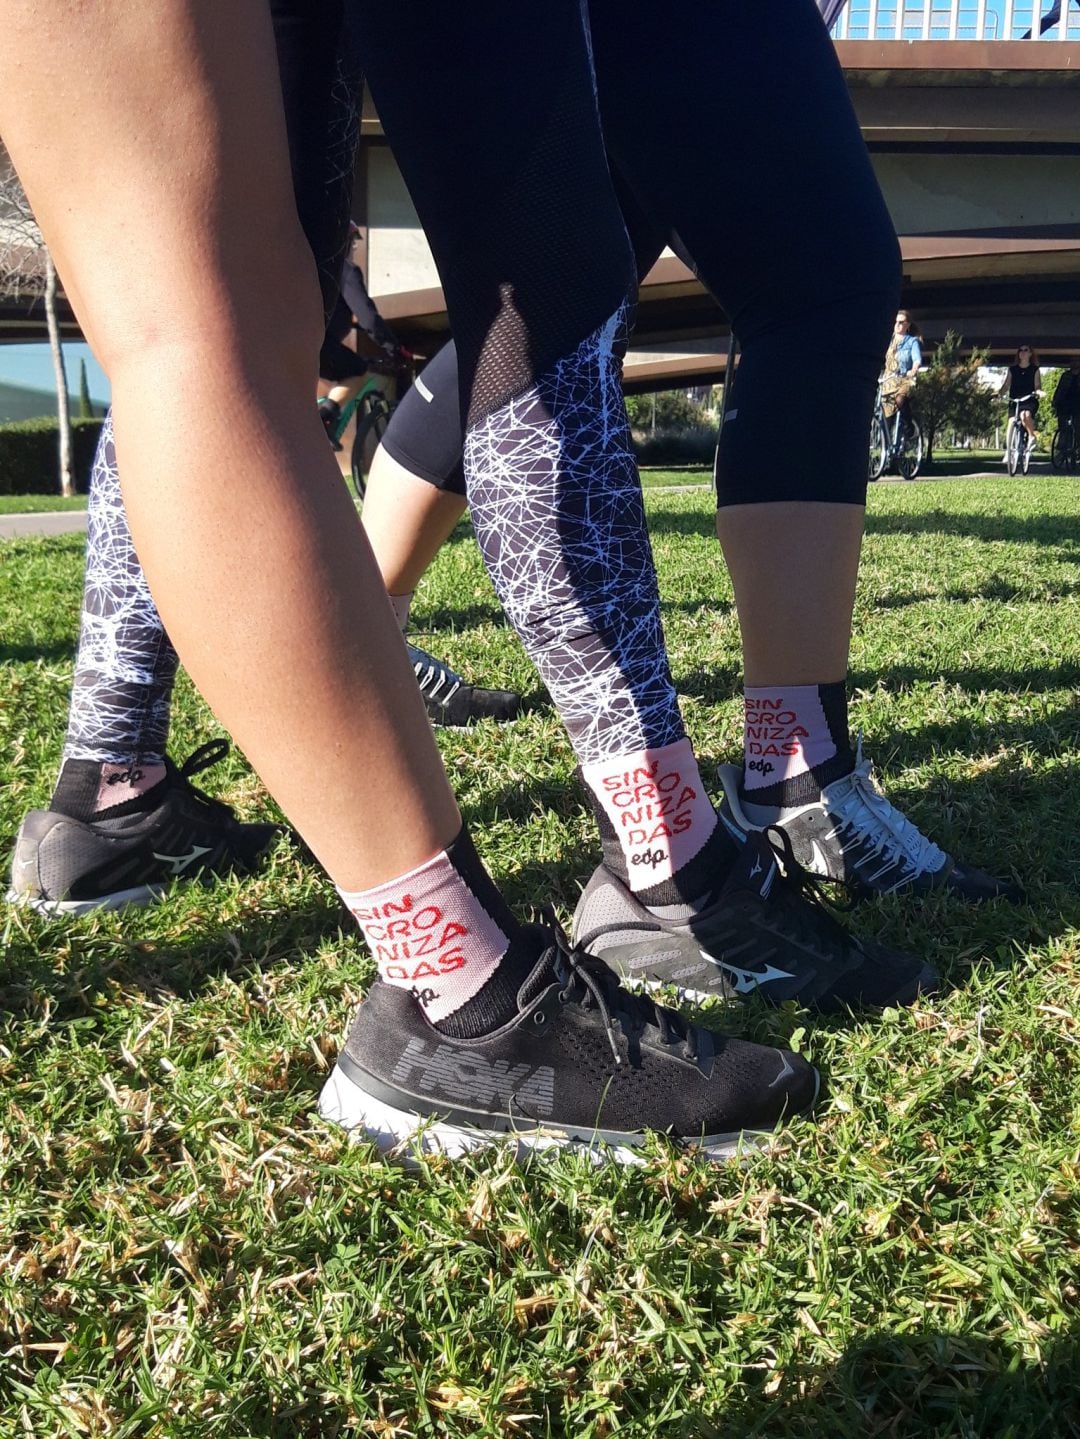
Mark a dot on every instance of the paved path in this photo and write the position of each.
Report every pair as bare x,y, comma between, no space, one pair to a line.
49,522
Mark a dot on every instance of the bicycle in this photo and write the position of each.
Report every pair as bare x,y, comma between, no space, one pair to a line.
372,407
1019,445
894,444
1065,449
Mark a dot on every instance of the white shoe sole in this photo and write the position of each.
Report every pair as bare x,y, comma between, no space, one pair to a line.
401,1132
51,908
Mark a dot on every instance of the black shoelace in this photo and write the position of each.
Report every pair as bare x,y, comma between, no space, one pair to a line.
211,753
585,980
808,910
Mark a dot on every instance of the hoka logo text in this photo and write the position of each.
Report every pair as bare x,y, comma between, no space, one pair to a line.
471,1079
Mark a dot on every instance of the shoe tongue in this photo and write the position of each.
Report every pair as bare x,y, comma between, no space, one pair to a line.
755,868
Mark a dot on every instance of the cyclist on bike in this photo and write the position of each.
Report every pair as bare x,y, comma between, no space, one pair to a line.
343,366
1066,400
1022,383
903,361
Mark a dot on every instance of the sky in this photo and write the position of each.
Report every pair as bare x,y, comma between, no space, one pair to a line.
31,367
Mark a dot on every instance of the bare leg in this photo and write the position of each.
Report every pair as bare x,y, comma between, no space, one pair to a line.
406,520
775,551
262,614
343,393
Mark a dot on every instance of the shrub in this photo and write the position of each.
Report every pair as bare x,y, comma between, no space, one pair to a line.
683,446
29,463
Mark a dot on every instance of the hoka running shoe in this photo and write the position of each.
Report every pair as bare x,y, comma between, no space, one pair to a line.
129,854
855,836
450,700
766,933
583,1062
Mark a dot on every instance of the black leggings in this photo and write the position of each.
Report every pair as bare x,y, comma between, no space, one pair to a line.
783,217
494,112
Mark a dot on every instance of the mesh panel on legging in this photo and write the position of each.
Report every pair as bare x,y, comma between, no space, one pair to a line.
491,111
126,665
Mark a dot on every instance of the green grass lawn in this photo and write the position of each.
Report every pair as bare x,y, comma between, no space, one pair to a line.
685,475
38,504
187,1250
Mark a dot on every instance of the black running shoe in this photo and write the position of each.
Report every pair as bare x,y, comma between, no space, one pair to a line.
129,854
856,836
450,700
766,932
583,1062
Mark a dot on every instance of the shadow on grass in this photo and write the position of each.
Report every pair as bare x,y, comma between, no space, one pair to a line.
1060,530
994,589
724,682
937,1384
17,654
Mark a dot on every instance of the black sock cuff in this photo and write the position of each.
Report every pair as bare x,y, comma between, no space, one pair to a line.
698,877
77,788
462,854
834,705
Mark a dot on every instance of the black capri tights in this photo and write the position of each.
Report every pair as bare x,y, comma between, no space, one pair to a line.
736,133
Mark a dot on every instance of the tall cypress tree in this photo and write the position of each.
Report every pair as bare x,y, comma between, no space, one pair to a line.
86,405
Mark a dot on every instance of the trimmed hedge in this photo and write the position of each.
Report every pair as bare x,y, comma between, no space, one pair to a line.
29,456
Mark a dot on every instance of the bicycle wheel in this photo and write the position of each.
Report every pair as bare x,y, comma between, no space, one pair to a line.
1059,453
1026,453
879,449
370,428
911,450
1014,447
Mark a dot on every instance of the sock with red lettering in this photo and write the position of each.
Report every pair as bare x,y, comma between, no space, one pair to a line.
658,827
444,932
795,743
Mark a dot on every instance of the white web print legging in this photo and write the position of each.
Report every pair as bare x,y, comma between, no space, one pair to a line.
126,663
558,513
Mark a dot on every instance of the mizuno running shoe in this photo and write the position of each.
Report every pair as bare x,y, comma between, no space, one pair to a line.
450,700
766,933
129,854
854,835
583,1062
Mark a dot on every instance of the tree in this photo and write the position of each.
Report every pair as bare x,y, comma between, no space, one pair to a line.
86,404
665,410
950,394
26,269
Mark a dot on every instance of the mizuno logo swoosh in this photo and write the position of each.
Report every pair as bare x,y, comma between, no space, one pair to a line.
747,980
180,862
756,869
786,1071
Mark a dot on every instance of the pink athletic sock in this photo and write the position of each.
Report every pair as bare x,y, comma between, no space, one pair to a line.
657,807
795,740
120,783
430,934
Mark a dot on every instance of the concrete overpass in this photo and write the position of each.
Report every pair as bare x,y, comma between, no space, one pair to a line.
976,144
975,139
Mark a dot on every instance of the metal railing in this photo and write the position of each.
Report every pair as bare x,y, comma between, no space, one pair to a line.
1044,20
